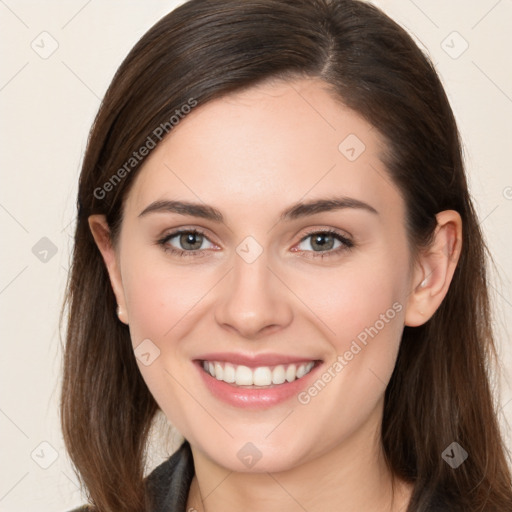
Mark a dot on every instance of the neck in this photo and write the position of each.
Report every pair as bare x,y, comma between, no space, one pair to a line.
348,477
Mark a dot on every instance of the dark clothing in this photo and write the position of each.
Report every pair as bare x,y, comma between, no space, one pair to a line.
169,484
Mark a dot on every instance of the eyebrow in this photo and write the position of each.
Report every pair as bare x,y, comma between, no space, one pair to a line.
296,211
184,208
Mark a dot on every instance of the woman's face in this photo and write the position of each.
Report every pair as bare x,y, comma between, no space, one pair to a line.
301,258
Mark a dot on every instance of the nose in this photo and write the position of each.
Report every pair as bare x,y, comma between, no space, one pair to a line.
253,302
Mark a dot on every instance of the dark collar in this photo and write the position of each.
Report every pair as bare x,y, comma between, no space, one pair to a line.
169,483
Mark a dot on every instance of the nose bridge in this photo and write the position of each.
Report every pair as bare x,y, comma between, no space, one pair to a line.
252,298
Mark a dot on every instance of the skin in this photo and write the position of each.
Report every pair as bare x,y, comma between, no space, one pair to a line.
251,155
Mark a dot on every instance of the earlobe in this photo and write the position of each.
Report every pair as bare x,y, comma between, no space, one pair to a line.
434,269
101,233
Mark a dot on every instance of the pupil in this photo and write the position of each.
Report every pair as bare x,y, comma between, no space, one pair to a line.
323,241
190,239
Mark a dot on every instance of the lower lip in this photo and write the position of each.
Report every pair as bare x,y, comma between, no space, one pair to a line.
253,398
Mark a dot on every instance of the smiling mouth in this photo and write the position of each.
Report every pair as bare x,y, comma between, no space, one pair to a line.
258,377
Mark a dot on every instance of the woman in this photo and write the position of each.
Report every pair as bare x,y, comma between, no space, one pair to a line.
276,248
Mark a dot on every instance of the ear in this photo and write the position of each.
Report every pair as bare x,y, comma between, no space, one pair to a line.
434,269
101,233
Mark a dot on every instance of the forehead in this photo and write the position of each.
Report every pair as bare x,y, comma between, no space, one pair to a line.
267,146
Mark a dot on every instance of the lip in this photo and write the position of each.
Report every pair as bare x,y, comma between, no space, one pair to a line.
253,398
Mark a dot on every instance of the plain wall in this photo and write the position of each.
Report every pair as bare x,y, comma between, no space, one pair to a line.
48,102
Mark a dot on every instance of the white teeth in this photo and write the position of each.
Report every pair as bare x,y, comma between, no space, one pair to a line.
278,374
219,371
291,373
229,373
243,376
260,376
301,371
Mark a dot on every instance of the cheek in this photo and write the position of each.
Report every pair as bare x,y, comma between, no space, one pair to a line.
358,300
364,309
159,296
163,301
362,313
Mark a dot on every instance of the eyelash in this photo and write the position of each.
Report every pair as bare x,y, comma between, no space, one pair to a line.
347,244
176,252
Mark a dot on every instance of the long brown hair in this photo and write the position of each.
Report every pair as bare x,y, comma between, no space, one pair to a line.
440,390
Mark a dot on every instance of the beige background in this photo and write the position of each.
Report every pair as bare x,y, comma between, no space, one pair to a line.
47,105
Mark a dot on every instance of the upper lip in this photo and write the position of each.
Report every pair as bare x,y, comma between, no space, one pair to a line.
254,360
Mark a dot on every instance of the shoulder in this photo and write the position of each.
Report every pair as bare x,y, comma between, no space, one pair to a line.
169,483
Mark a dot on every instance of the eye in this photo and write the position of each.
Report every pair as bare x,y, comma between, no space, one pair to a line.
192,242
186,242
328,242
